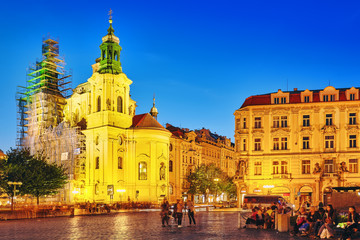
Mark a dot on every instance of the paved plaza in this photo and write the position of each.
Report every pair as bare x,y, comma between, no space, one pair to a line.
135,225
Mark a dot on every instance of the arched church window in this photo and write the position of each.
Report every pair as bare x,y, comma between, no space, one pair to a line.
120,163
170,166
119,105
103,54
98,104
142,171
115,55
110,54
97,163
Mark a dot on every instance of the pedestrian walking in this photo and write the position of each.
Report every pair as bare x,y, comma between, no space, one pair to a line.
191,211
164,213
179,211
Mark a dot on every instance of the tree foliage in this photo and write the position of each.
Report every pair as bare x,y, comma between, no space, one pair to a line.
38,177
211,179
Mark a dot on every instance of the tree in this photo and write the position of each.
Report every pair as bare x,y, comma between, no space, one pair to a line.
210,179
38,177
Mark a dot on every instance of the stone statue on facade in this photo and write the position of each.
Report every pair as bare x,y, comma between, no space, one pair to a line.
343,167
317,168
162,171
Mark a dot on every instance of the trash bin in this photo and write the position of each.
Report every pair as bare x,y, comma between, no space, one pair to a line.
283,222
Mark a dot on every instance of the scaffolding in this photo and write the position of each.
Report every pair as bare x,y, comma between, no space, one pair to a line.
41,121
40,104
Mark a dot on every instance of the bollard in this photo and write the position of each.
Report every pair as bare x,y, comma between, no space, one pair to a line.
239,219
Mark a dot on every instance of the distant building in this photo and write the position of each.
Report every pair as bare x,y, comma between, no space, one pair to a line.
190,148
298,144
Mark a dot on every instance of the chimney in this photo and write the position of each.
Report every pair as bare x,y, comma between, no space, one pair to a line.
295,89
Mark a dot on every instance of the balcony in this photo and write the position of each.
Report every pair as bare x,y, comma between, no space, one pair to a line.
281,175
330,175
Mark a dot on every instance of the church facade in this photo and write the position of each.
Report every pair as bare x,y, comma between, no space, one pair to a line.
124,156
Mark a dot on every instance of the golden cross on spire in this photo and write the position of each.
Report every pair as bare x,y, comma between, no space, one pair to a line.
110,12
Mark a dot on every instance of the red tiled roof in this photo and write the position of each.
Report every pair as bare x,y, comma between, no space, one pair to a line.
2,154
295,97
145,121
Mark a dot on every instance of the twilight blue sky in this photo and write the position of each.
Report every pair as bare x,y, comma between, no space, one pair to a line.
200,58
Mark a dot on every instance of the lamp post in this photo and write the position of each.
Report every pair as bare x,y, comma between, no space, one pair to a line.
12,199
216,180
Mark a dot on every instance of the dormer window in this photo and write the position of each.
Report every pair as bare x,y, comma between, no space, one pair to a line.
352,94
306,99
329,98
329,94
280,97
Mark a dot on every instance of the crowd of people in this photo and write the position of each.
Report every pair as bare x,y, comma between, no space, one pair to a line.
322,222
264,217
177,213
316,222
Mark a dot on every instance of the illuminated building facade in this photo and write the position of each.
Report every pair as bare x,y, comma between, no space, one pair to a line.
115,155
298,144
190,148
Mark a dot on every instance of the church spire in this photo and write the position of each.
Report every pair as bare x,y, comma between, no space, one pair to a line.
154,112
110,51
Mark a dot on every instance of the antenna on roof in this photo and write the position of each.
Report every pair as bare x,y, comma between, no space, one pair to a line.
287,84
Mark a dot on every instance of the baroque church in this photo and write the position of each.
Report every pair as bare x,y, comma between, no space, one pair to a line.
124,156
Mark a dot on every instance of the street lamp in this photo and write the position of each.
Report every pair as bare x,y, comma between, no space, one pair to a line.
12,200
216,180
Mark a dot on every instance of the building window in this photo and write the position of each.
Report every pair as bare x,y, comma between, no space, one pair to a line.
352,96
276,144
307,99
97,163
353,166
276,167
244,123
258,168
120,163
284,167
142,171
352,118
329,120
119,105
190,159
98,104
329,166
306,143
237,123
329,142
305,167
284,144
306,120
352,141
276,100
244,144
257,144
258,122
170,166
276,122
284,121
329,98
283,100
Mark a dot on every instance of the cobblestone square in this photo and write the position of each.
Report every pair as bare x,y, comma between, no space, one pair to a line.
135,225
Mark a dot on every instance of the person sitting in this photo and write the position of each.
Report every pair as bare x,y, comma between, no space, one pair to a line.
300,220
352,224
327,229
268,218
252,218
260,218
313,219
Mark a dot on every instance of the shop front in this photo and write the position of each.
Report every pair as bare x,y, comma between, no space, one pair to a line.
281,191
